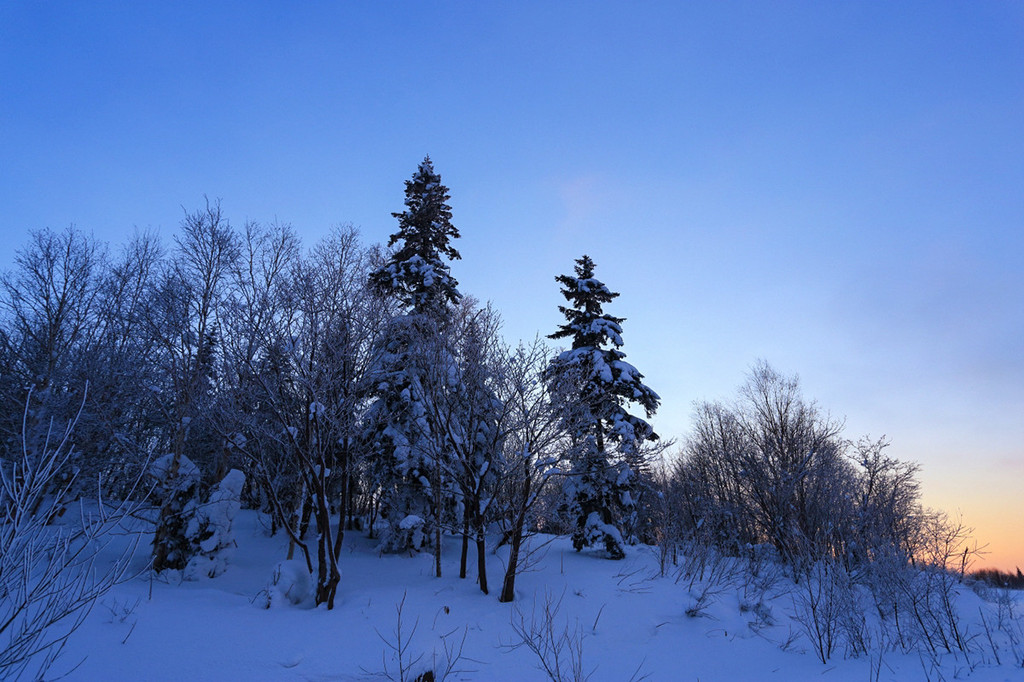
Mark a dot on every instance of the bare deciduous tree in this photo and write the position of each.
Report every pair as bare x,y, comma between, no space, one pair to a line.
50,306
302,332
533,449
768,469
182,316
50,575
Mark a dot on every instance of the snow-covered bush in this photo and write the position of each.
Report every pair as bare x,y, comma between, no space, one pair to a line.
210,528
408,535
823,605
176,486
596,531
290,584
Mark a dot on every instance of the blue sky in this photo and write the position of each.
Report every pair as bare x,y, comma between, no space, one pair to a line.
833,187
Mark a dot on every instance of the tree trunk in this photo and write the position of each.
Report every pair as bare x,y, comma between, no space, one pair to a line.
342,508
374,507
437,523
465,544
307,512
481,562
328,575
349,502
508,587
339,538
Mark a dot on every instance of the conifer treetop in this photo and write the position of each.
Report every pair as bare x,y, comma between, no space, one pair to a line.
416,273
425,225
609,382
587,324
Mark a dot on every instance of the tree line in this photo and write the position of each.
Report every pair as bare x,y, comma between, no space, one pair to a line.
350,387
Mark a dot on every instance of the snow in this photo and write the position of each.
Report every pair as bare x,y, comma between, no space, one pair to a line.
411,521
187,474
211,528
237,440
596,530
590,284
630,618
607,328
290,583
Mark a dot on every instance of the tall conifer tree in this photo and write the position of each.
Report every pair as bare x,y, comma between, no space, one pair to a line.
596,385
405,446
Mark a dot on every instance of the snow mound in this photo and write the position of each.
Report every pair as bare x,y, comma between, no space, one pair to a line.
211,528
290,585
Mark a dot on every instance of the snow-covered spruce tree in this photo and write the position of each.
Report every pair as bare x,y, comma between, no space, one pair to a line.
174,481
405,447
596,385
211,528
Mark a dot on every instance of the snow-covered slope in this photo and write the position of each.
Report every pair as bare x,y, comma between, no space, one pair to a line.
626,619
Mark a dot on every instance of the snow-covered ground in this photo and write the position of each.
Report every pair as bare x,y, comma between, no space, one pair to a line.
627,620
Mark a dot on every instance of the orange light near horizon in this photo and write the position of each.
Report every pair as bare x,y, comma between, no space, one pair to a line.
989,502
